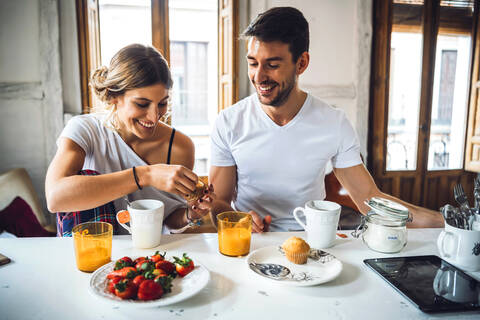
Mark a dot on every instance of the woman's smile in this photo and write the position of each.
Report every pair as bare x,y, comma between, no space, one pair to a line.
146,124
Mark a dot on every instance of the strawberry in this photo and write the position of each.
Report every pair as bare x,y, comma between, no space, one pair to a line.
183,266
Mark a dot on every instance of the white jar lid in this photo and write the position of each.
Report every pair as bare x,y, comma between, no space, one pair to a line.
387,208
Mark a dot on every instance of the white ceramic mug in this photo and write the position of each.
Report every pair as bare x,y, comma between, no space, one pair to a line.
322,222
146,221
460,247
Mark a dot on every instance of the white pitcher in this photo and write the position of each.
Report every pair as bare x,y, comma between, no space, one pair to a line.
460,247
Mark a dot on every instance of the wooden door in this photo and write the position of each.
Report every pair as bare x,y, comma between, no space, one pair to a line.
419,183
89,48
227,53
472,158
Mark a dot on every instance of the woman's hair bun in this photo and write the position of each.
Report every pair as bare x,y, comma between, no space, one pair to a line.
100,75
101,72
97,82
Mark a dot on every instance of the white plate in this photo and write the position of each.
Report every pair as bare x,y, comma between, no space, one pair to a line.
182,288
311,273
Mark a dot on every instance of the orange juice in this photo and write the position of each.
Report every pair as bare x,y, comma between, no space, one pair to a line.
93,245
234,241
90,260
234,233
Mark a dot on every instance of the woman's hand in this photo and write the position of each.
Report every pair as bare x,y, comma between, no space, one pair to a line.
203,206
175,179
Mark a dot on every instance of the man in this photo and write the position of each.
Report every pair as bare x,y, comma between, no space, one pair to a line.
269,150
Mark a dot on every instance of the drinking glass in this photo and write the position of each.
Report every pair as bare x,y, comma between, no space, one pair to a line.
93,245
234,233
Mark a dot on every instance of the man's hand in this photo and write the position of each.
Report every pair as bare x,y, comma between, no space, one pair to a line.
204,205
259,224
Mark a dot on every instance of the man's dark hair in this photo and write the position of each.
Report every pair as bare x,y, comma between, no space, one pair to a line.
284,24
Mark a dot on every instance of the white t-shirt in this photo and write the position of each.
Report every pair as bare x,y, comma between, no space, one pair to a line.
107,152
282,167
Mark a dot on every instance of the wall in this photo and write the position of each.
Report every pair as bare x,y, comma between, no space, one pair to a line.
70,66
31,107
340,44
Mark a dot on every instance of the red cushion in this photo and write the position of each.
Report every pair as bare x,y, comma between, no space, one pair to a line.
19,219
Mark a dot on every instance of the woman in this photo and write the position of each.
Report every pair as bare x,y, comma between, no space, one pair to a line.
124,150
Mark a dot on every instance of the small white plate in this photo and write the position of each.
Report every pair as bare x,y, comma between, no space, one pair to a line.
314,272
182,288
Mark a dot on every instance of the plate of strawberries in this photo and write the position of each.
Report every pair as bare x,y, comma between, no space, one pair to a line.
154,281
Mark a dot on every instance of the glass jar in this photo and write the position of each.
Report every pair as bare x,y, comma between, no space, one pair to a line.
384,228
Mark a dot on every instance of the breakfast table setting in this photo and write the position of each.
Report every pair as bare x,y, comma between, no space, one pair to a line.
237,274
43,282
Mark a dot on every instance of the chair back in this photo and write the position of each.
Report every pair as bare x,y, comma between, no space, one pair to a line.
17,182
335,192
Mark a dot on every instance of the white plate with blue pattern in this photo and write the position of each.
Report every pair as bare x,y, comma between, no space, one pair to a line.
321,267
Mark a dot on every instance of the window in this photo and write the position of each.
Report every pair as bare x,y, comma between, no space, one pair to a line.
421,80
405,81
191,96
450,101
189,71
193,34
187,33
123,22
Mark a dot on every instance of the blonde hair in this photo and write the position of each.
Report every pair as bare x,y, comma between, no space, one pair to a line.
134,66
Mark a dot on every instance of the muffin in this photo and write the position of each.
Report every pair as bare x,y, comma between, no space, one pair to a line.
296,250
198,193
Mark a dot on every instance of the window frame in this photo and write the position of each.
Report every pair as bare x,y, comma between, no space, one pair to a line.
90,56
88,27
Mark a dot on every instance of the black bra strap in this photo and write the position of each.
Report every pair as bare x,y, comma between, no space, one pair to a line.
170,146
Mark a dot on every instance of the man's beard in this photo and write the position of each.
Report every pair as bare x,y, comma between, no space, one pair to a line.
282,94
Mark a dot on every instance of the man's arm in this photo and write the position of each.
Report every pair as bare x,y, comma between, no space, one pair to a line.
224,181
360,185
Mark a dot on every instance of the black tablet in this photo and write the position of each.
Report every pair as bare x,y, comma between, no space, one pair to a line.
430,283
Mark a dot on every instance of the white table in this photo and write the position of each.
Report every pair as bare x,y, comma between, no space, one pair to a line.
43,282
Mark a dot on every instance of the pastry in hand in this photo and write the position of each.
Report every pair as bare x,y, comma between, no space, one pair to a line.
296,250
198,193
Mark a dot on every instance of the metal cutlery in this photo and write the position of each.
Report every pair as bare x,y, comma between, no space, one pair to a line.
456,217
471,220
465,211
460,196
449,215
476,193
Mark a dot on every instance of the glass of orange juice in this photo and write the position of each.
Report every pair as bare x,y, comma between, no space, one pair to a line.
93,245
234,233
